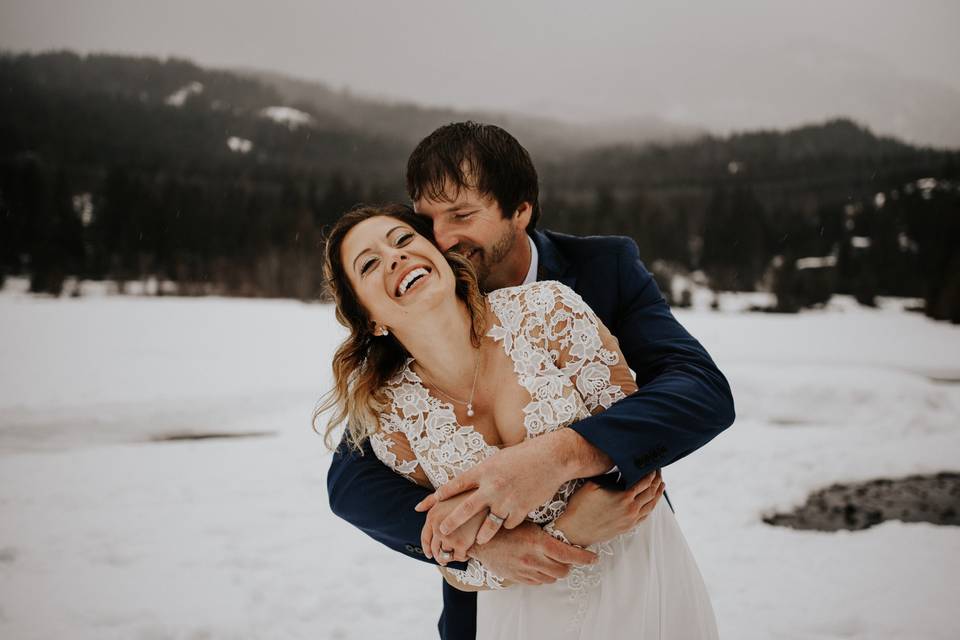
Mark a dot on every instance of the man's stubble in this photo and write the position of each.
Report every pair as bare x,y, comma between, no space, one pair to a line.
502,248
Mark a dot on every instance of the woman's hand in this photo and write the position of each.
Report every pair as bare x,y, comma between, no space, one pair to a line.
595,514
458,541
517,480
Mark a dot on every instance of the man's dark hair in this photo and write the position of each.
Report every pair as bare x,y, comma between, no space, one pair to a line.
474,155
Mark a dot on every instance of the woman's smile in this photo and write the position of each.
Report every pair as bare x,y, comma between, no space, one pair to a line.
412,278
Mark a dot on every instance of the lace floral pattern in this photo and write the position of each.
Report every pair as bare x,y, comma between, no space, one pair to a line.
438,445
553,340
442,448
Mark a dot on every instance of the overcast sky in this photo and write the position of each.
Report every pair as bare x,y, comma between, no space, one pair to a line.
722,64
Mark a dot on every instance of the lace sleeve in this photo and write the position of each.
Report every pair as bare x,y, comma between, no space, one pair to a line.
585,350
475,577
391,446
393,449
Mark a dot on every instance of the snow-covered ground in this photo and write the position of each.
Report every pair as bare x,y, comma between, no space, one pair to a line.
292,118
107,533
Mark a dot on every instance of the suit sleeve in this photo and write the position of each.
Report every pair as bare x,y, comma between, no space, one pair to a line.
379,502
682,401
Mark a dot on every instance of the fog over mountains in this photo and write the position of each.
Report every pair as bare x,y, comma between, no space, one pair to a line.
909,106
411,121
646,68
817,82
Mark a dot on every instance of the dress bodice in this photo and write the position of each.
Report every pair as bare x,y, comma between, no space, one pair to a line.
561,356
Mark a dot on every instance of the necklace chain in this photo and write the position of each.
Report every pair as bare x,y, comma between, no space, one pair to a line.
473,388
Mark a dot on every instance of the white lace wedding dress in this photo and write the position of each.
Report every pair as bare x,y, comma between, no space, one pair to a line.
646,584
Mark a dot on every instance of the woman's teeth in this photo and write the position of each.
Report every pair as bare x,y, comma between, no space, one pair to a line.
410,278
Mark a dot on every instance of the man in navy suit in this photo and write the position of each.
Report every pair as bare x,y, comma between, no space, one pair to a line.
479,188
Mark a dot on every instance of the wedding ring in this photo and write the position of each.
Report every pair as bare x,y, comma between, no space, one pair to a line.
497,520
446,555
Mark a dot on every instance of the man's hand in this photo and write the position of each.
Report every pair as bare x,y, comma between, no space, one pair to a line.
595,514
459,541
527,555
516,480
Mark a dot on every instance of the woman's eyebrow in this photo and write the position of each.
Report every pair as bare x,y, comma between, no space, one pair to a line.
358,257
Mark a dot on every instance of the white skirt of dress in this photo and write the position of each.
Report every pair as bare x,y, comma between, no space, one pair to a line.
646,586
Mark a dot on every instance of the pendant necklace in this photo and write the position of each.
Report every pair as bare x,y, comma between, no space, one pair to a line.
473,389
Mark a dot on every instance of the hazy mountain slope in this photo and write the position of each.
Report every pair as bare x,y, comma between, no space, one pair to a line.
816,80
411,122
172,115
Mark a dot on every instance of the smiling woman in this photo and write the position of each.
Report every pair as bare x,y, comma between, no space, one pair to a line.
391,256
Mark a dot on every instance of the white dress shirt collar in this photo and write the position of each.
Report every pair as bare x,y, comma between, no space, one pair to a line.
534,262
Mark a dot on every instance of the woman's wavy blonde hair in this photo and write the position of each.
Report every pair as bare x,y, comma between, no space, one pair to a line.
363,363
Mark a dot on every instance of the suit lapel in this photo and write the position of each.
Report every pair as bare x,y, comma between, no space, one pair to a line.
552,265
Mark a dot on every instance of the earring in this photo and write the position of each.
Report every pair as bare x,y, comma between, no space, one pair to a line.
381,331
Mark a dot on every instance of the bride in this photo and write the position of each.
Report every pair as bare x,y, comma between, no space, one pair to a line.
439,377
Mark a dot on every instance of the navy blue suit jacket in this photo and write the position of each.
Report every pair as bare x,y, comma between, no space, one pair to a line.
683,401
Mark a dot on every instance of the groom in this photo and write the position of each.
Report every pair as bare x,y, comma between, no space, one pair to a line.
479,188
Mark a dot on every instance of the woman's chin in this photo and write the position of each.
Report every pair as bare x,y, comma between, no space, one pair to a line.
427,295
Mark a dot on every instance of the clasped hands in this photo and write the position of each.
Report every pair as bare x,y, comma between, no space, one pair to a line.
458,523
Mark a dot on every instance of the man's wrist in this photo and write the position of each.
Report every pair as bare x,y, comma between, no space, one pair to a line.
577,457
568,532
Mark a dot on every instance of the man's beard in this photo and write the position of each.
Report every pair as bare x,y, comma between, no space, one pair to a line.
487,262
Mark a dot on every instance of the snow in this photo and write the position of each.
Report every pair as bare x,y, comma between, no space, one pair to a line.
179,97
292,118
83,207
816,262
239,145
106,533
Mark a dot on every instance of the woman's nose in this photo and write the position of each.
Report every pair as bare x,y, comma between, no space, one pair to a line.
397,260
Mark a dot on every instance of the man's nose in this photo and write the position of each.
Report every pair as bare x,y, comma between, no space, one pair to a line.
444,236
